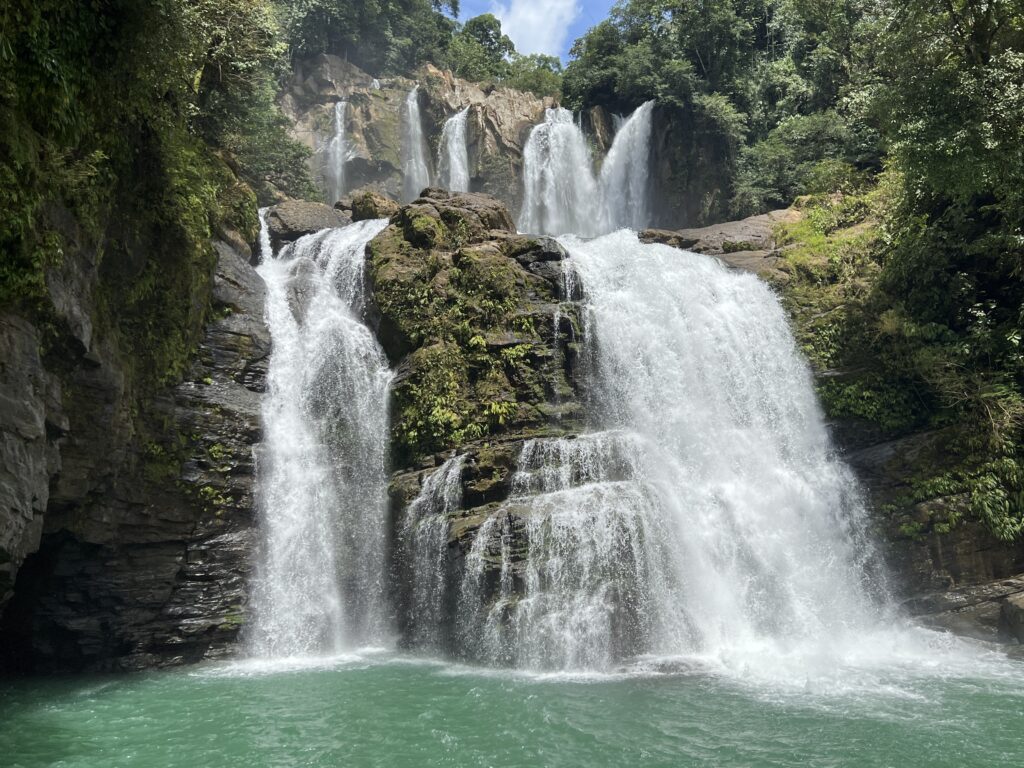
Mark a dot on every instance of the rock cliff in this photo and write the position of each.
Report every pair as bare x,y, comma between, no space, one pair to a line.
499,122
484,333
126,535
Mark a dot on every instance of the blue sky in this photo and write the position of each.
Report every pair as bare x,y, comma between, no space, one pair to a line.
541,26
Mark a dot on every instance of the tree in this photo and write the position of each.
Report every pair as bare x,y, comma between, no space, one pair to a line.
479,51
486,30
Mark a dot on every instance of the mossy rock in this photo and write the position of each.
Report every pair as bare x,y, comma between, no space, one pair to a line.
368,204
459,312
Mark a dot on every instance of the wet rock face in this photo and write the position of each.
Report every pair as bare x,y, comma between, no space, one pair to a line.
31,422
498,124
146,536
748,244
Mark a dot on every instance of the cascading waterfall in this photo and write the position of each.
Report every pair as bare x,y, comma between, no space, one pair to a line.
453,153
709,519
560,193
576,595
415,163
336,154
322,482
424,536
266,250
624,174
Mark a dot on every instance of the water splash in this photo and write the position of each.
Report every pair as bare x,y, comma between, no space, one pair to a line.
336,155
710,519
415,163
322,482
579,560
453,154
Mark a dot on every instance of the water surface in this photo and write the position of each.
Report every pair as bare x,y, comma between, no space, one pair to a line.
382,710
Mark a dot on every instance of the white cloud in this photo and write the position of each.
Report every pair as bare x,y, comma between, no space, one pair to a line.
537,26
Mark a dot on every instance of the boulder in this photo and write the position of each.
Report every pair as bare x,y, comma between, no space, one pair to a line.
290,220
367,204
748,244
1011,617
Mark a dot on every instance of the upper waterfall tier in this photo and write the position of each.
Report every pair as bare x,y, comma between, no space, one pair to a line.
335,155
561,195
322,465
453,153
415,161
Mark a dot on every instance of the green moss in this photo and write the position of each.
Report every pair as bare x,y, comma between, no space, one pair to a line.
737,247
897,374
422,230
457,307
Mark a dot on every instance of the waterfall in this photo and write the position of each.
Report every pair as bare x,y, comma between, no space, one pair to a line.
594,557
453,154
321,469
415,168
624,173
266,249
424,537
336,155
709,516
560,192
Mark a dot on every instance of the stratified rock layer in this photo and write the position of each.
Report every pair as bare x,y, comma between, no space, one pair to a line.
139,553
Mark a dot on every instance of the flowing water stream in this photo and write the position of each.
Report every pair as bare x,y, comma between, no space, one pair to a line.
562,195
336,155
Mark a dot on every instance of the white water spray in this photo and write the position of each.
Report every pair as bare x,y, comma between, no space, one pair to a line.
415,163
559,191
453,154
322,482
424,537
709,519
